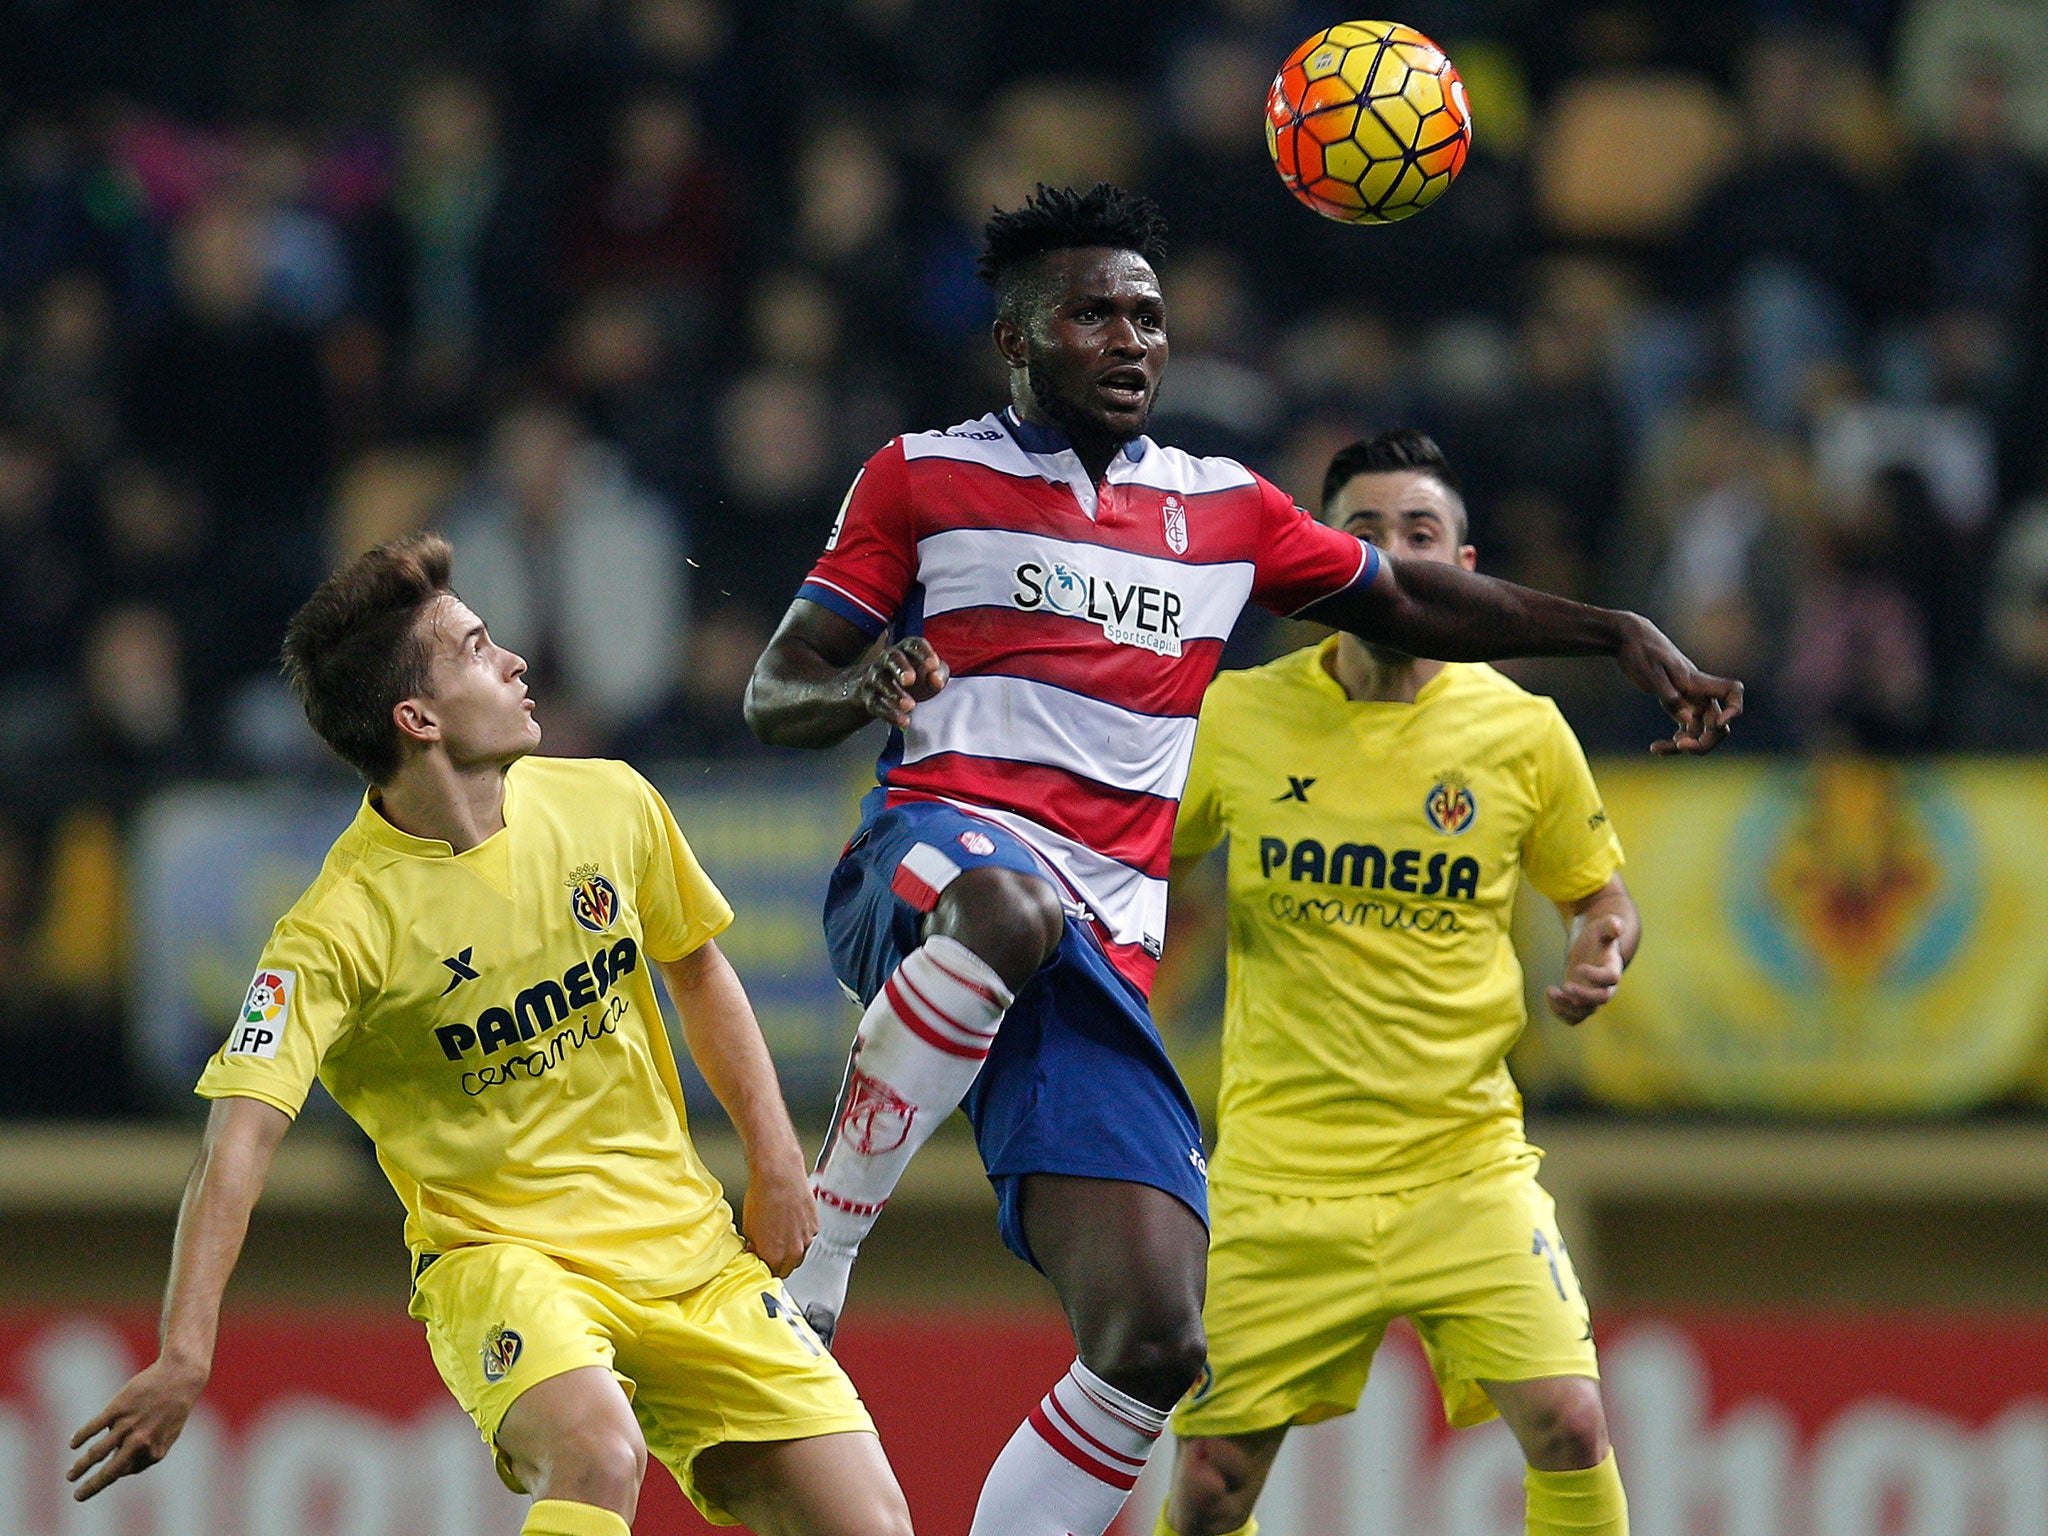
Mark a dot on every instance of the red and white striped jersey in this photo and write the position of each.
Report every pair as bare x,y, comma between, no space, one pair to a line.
1081,624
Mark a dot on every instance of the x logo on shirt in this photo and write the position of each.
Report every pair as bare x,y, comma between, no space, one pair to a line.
463,970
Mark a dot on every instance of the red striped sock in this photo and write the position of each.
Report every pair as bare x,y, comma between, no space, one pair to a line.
1071,1464
921,1042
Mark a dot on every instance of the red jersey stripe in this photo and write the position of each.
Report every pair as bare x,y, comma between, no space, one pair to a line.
1133,829
1048,649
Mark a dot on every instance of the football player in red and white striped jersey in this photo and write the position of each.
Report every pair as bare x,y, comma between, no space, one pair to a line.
1034,602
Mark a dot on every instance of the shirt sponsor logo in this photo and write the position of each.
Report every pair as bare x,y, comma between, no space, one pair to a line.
1130,613
1176,516
259,1026
1368,864
1450,805
540,1007
593,900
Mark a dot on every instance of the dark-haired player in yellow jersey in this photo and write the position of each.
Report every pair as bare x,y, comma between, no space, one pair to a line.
1370,1160
471,976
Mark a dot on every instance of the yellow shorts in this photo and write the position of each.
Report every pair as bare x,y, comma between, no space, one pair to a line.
730,1360
1302,1287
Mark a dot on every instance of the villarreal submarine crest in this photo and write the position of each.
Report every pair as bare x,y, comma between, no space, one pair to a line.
1864,876
593,900
500,1353
1450,805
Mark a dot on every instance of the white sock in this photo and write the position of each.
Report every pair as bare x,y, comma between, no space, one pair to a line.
920,1044
1071,1464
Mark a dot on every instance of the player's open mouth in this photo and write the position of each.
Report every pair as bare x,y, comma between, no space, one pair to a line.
1125,387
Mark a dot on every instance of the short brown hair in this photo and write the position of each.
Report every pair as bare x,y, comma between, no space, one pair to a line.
355,650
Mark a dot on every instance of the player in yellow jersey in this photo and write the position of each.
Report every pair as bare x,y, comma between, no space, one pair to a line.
1370,1160
471,976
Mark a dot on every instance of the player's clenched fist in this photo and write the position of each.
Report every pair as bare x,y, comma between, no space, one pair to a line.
780,1219
1592,971
899,679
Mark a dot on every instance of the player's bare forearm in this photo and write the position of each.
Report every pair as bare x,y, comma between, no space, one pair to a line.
725,1041
145,1418
1605,929
821,679
234,1160
1446,613
1612,900
1442,612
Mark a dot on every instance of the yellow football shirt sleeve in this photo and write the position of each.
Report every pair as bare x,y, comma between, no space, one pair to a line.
297,1006
1199,826
1571,850
679,906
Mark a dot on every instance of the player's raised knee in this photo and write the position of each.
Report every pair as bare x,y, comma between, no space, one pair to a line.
1215,1484
1565,1428
1011,920
596,1464
1155,1361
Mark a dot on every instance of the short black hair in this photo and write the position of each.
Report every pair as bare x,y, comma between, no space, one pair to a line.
1404,448
1062,219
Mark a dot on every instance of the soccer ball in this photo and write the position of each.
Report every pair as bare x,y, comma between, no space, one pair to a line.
1367,122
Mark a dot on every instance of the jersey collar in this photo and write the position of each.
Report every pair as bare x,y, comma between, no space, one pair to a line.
379,829
1053,445
1322,677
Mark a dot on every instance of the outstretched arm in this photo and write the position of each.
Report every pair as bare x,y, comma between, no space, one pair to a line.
145,1418
1427,608
821,679
725,1041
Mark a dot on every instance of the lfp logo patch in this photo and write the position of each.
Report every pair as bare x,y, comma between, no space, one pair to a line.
501,1353
1450,805
259,1026
592,899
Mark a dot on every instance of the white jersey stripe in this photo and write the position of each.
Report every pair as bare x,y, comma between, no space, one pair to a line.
1018,719
1170,469
1129,903
980,568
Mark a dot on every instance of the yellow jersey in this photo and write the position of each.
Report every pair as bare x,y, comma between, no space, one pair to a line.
489,1019
1375,848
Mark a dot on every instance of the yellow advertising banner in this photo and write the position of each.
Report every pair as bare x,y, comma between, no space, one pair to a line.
1840,936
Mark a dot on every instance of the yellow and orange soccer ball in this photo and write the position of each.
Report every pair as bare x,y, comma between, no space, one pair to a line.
1367,122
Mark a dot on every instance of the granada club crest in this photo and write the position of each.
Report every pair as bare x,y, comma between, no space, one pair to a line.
1176,516
501,1353
877,1118
593,900
1450,807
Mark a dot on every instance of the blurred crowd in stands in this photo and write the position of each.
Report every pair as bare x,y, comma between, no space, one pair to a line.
1735,317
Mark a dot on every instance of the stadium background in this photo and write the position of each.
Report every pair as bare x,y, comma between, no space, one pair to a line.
1735,317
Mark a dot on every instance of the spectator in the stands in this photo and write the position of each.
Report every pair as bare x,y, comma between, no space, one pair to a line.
577,567
2002,705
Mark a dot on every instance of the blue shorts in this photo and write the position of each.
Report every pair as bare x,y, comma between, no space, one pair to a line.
1078,1081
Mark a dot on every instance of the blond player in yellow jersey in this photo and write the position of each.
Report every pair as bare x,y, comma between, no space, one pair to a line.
1370,1160
471,976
